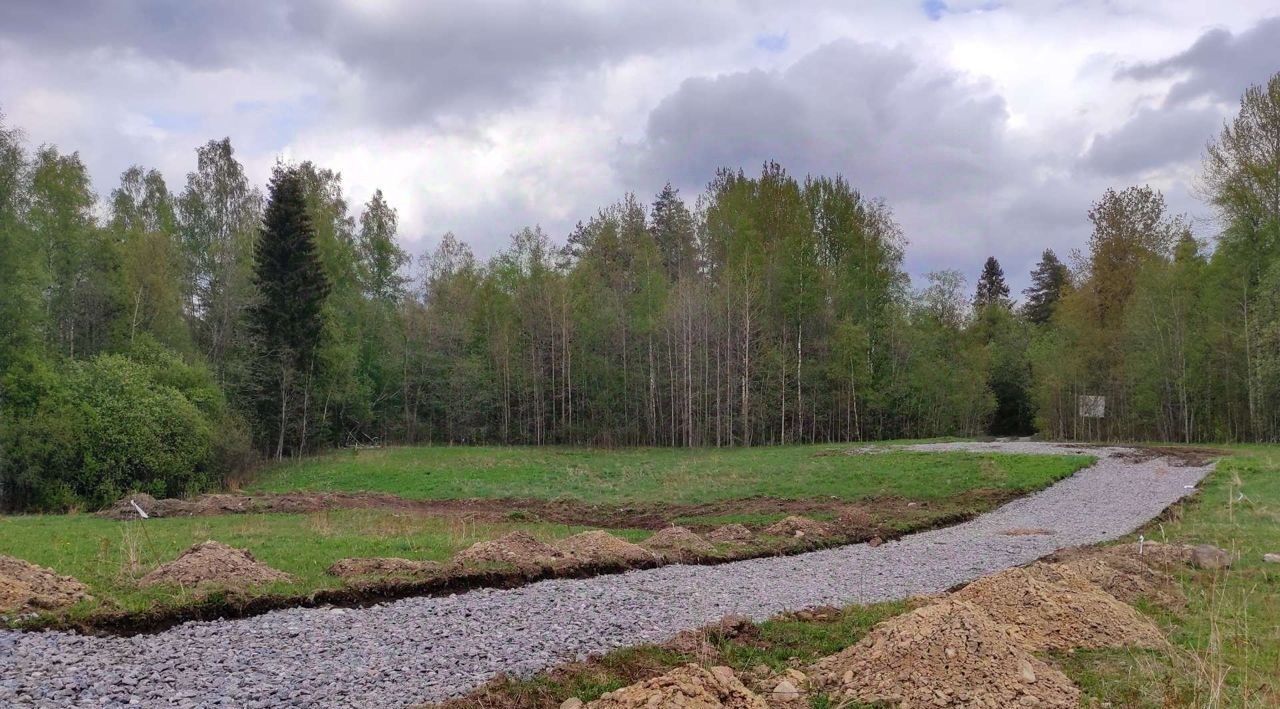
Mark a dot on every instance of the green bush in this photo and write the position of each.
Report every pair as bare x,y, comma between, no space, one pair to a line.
90,431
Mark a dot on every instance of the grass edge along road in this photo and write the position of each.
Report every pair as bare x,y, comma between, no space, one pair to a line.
110,556
1225,642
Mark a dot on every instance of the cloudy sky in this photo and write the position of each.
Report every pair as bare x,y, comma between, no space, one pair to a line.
989,126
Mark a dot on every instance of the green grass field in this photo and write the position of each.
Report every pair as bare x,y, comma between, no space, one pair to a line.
662,475
109,556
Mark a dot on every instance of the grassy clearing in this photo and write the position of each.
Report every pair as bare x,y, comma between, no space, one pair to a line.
109,556
662,475
1227,639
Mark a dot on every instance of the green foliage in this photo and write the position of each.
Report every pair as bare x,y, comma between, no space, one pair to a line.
91,430
288,316
1048,282
992,290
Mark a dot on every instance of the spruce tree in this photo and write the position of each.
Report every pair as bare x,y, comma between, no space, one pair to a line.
287,315
992,290
1047,282
672,227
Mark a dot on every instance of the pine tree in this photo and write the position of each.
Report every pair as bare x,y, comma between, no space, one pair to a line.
992,290
292,288
1047,282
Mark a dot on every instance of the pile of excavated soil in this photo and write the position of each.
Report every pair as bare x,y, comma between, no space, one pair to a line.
1119,570
1055,608
947,654
382,566
731,534
702,642
518,549
853,517
124,509
600,547
688,687
795,526
25,587
679,543
214,564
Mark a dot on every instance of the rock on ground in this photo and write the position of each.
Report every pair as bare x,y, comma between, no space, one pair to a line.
1207,556
214,564
25,587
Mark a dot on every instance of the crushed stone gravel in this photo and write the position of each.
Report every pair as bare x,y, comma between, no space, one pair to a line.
425,649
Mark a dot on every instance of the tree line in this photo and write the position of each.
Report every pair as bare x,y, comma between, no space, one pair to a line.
164,340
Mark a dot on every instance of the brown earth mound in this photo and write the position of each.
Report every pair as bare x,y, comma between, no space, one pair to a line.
856,518
214,564
25,587
382,566
679,543
1120,571
703,641
518,549
731,534
124,508
1055,608
688,687
600,547
796,526
948,654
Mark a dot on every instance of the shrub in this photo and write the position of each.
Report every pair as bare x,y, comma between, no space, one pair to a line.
90,431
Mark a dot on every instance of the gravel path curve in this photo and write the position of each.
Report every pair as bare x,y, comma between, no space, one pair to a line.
424,649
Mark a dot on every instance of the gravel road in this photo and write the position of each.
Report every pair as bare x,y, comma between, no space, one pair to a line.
423,649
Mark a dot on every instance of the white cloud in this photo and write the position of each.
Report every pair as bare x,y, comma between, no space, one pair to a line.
482,117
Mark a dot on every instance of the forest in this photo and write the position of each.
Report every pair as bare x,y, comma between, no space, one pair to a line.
168,338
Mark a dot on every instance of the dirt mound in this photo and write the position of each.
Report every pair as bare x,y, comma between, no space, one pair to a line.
731,534
796,526
947,654
1120,571
679,543
214,564
854,518
599,547
25,587
382,566
1055,608
518,549
703,641
124,509
688,687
